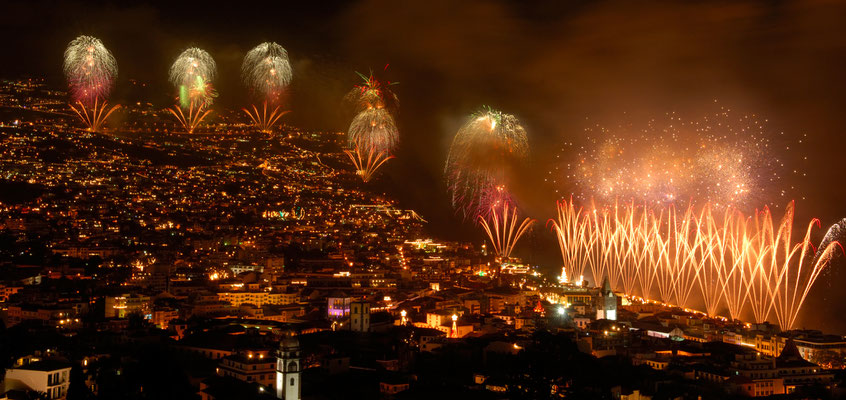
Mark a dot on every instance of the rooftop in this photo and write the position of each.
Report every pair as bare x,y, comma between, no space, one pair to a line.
46,365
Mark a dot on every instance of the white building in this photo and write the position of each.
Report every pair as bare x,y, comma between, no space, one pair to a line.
239,269
606,302
360,316
288,368
49,377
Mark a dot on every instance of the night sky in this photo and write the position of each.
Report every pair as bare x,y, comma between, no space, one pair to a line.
552,64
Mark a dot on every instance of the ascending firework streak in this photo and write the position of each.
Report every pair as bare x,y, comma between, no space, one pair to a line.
192,73
734,260
91,70
267,72
481,153
373,135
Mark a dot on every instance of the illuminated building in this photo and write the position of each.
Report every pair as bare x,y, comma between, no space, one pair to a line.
249,366
126,304
798,372
338,305
258,298
52,378
162,317
436,319
56,315
762,378
515,268
391,387
288,368
360,316
606,302
239,269
426,245
811,344
6,291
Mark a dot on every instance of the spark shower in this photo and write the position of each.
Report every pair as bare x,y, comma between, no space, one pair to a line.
738,262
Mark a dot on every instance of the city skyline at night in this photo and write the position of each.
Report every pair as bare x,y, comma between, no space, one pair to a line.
367,191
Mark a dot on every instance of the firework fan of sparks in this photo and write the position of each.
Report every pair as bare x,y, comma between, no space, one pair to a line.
267,71
192,73
723,158
750,265
90,69
480,157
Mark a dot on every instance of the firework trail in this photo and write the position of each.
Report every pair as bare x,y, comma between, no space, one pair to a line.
192,73
267,72
835,233
482,153
90,70
372,136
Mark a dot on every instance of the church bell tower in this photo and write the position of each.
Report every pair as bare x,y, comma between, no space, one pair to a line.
288,368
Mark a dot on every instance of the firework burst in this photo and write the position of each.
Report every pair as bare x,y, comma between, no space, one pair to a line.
373,93
191,66
192,73
266,71
480,157
373,128
90,70
476,171
373,136
724,159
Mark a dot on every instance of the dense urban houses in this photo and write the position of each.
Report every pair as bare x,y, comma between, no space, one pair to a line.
236,264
